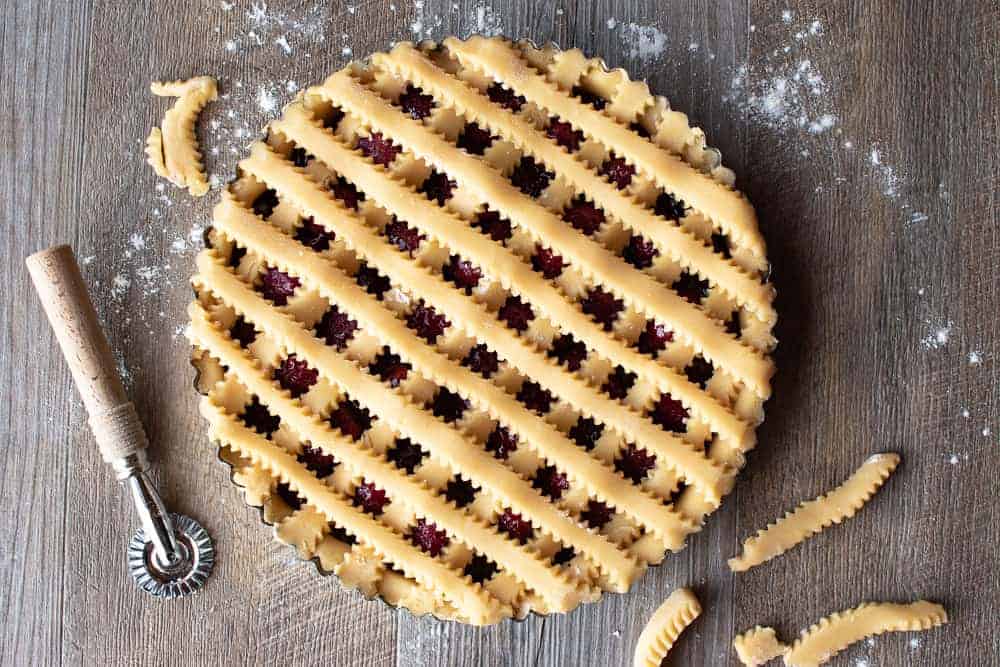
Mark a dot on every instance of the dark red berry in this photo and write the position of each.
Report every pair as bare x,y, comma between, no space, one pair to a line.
480,569
530,177
257,417
635,463
265,202
720,244
336,328
597,514
505,97
371,499
501,442
482,360
373,281
547,262
382,151
339,533
586,432
639,252
291,498
535,397
415,103
389,367
295,375
406,455
550,482
300,158
402,236
564,555
691,287
490,222
602,306
428,537
313,235
474,139
516,313
733,324
332,120
618,383
565,135
515,526
462,272
314,459
243,332
351,419
590,98
669,207
655,337
699,371
448,405
278,286
460,492
236,256
426,322
618,171
346,193
670,414
584,216
639,129
569,351
438,187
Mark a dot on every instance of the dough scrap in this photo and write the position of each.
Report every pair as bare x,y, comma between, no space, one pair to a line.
758,646
173,151
665,626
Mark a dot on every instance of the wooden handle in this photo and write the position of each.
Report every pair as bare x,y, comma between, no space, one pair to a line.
113,418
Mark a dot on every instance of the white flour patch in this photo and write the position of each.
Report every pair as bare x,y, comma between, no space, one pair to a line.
965,413
645,42
953,459
915,642
938,336
975,358
612,23
88,260
266,100
487,21
283,44
987,432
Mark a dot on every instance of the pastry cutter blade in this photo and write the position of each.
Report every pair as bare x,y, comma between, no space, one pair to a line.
171,555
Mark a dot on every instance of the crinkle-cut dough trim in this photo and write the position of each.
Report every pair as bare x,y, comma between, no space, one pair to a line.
836,632
634,287
758,646
457,449
316,272
523,563
723,205
665,626
811,517
172,149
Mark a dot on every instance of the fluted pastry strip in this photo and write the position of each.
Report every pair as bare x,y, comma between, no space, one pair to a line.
172,150
665,626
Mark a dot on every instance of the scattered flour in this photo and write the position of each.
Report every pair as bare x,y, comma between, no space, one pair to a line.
487,21
915,642
282,42
938,336
612,23
987,432
266,100
965,413
645,42
975,358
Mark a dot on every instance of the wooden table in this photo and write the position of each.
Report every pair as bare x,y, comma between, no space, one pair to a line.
880,212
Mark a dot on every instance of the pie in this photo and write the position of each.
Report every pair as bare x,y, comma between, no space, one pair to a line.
483,328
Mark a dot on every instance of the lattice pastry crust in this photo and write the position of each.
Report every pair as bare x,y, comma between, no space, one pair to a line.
668,622
172,151
483,328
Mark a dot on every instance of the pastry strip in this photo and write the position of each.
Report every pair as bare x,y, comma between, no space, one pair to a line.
665,626
456,449
724,206
317,273
811,517
173,151
524,564
836,632
401,200
758,646
636,288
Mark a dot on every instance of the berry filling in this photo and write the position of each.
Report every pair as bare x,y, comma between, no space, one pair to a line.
639,252
490,222
602,306
462,272
618,383
546,262
405,238
295,375
371,499
331,121
720,244
243,332
516,313
382,151
265,202
257,417
551,482
336,328
438,187
639,129
236,256
474,139
460,492
314,459
515,526
733,324
669,207
569,351
618,171
480,569
564,555
300,158
586,432
351,419
699,371
535,397
670,414
655,337
389,367
426,322
530,177
415,103
590,98
635,463
291,498
406,455
565,135
597,514
691,287
449,406
277,285
313,235
428,537
338,533
482,360
373,282
584,216
346,193
505,97
501,442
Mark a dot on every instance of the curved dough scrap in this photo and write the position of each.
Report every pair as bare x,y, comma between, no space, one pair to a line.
758,646
838,631
813,516
173,150
666,624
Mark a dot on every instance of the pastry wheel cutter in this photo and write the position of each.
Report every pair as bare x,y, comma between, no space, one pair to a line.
170,555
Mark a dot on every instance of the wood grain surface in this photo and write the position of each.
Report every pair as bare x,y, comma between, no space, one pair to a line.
881,215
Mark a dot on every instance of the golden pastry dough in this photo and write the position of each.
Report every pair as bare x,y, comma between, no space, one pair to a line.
325,253
812,517
836,632
665,626
758,646
173,151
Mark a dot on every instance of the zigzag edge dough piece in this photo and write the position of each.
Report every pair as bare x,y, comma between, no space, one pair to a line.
172,150
758,646
836,632
811,517
665,626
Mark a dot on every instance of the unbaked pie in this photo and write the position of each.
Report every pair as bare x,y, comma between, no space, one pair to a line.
483,328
